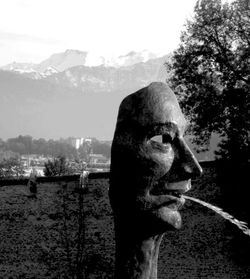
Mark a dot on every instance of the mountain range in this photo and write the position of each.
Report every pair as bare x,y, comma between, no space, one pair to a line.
73,93
67,95
60,62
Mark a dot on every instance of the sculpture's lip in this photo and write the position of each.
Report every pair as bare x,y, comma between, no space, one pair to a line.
170,194
173,189
171,201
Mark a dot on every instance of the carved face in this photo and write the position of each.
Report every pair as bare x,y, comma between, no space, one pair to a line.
151,165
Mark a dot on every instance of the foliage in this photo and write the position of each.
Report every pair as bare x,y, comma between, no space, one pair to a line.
28,145
84,150
95,147
11,167
101,148
77,166
7,154
211,75
61,166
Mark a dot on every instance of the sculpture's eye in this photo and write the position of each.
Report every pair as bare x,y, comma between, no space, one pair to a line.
164,139
157,138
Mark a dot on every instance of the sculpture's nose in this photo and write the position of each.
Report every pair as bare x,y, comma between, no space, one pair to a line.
189,164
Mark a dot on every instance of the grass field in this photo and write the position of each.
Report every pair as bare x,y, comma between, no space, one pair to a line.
51,235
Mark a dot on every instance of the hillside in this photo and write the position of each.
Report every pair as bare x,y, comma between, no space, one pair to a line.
80,101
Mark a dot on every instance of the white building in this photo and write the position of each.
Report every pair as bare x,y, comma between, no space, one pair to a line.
77,142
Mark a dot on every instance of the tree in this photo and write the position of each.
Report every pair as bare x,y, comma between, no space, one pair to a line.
57,166
101,148
11,167
84,150
7,154
61,166
211,75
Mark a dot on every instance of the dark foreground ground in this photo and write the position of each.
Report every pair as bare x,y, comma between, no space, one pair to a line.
51,235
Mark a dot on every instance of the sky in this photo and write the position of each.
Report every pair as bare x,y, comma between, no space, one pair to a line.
32,30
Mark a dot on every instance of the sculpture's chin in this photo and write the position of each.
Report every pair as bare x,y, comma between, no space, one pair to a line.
169,218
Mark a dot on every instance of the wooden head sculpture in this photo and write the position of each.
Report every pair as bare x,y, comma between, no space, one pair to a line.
151,166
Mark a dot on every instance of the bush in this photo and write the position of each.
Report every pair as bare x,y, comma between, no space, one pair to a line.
61,166
11,167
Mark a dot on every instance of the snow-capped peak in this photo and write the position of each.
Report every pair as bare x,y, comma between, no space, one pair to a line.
92,60
130,58
60,62
49,71
19,67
